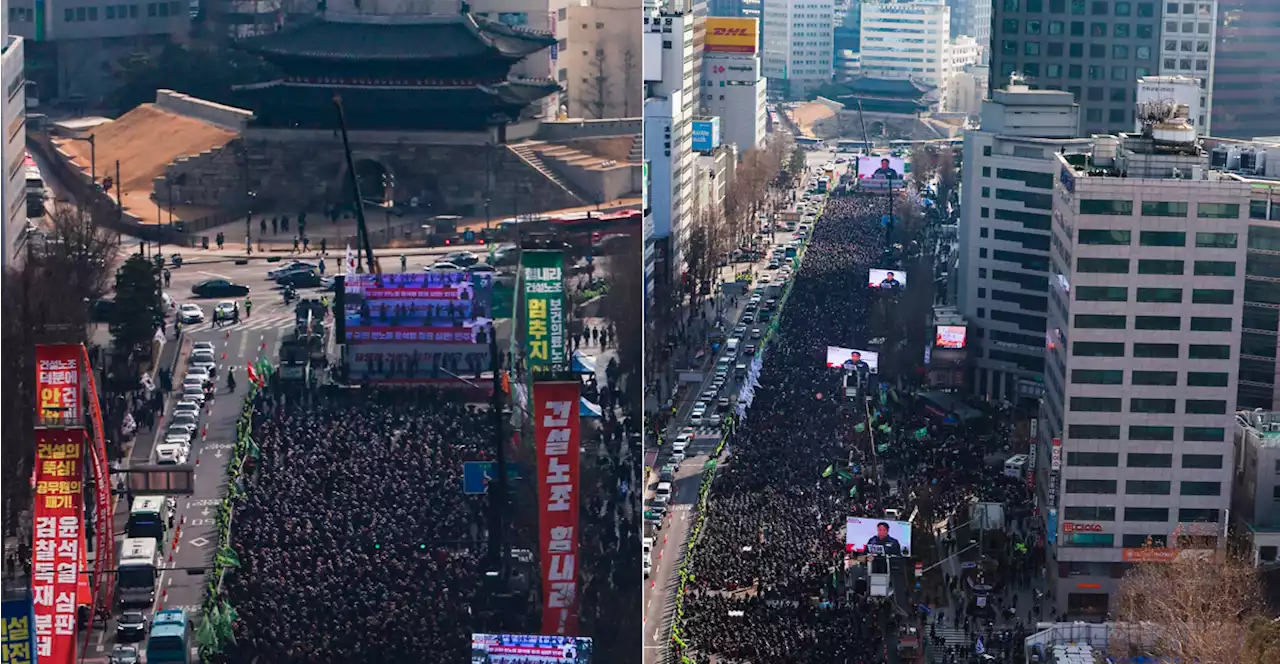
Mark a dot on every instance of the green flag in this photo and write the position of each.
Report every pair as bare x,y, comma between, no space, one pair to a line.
922,433
853,491
882,447
846,475
830,469
860,427
886,428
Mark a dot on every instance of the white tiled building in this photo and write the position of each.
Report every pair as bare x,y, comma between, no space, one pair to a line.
907,41
1187,48
799,44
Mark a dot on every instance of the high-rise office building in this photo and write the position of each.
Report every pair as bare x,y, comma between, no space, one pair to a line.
1246,72
1095,50
15,151
1141,370
799,44
1187,49
671,101
972,18
1006,214
907,41
733,87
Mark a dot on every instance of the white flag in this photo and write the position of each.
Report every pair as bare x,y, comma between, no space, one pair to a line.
349,263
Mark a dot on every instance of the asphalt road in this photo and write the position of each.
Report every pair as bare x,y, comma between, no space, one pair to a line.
236,346
670,542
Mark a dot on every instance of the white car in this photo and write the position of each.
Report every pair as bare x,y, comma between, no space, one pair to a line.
196,381
648,566
202,359
699,411
186,420
171,455
285,270
445,266
186,407
202,346
192,393
201,372
225,310
190,314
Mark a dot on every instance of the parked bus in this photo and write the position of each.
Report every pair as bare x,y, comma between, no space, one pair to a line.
139,569
849,145
809,143
34,187
170,638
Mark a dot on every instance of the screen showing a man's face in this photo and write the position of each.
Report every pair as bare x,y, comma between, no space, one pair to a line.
882,531
890,277
884,163
856,357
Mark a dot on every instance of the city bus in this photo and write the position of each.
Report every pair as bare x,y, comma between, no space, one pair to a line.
851,146
35,188
170,638
809,143
139,569
149,517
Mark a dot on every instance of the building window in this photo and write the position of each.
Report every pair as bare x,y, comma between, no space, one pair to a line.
1103,265
1207,324
1163,209
1212,296
1158,378
1199,514
1142,53
1053,70
1201,488
1138,541
1160,266
1056,28
1157,323
1215,269
1031,48
1162,295
1157,406
1161,238
1097,376
1106,207
1099,322
1155,351
1089,540
1150,433
1209,352
1146,9
1097,459
1217,240
1146,460
1097,349
1093,432
68,15
1101,294
1095,405
1218,210
1104,236
1206,379
1091,486
1146,513
1204,435
1204,461
1123,8
1088,513
1147,487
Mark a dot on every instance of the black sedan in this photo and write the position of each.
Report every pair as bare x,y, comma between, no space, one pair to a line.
132,627
219,288
301,279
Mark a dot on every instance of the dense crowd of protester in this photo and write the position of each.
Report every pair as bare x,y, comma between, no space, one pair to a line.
356,540
774,532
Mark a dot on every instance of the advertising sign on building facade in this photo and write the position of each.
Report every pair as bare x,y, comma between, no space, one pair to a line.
706,134
555,418
732,35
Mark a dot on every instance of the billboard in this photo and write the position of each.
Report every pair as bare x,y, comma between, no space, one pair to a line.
417,307
878,537
529,648
58,376
950,336
886,279
880,168
17,631
731,35
850,359
706,134
555,420
55,571
544,333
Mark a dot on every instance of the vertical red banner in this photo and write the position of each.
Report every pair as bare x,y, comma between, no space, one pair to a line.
104,539
59,372
556,432
56,544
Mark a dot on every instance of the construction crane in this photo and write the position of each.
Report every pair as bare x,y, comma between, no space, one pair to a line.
362,229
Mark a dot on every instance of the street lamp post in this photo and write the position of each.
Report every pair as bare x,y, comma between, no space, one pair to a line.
248,225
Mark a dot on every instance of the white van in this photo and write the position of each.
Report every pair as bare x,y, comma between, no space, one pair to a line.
732,346
664,492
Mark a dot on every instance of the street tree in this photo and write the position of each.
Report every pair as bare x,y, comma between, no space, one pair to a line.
924,163
621,303
596,89
206,73
1195,608
137,308
948,177
795,163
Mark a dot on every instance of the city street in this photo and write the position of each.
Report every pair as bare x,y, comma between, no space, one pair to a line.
670,542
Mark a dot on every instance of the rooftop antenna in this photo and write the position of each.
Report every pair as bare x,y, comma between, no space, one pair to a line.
1152,113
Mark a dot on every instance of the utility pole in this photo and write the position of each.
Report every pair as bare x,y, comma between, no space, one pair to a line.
362,229
498,501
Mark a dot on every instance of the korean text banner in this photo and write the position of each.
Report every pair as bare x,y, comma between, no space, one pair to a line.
555,411
56,543
851,359
58,386
17,632
530,649
544,338
878,537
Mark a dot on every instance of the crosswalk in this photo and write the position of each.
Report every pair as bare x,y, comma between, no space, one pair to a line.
952,636
261,322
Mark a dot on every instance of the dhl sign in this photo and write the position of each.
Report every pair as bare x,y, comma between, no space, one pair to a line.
731,35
